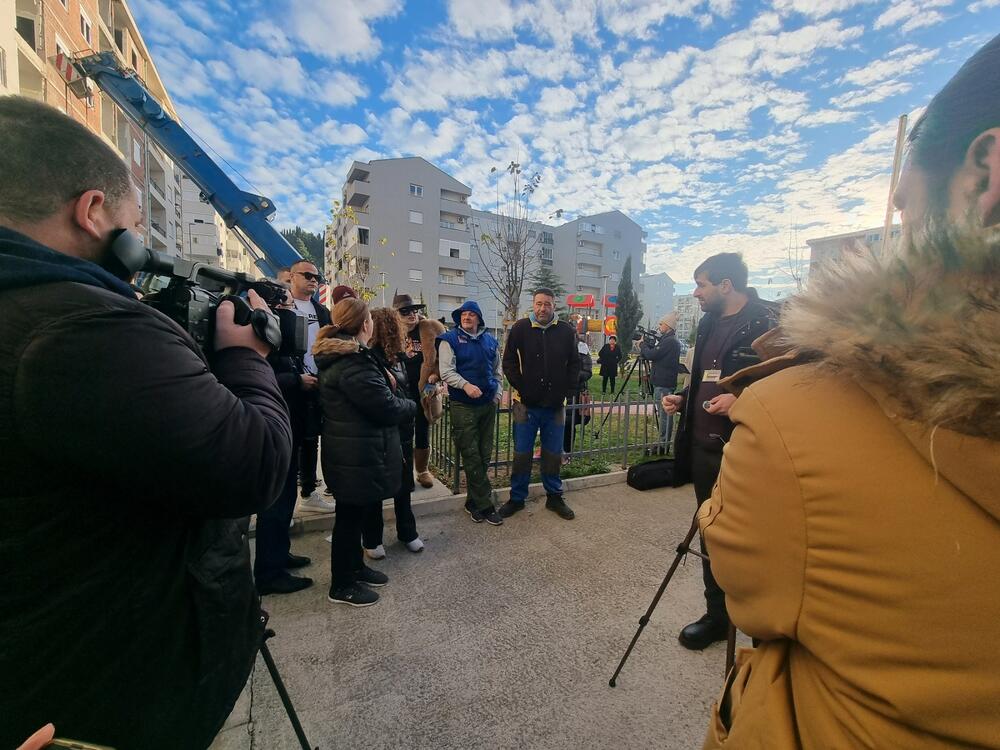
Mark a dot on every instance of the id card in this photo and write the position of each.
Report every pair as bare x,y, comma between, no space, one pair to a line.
711,376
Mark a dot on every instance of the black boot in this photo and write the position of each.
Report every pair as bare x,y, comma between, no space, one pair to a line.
557,505
704,632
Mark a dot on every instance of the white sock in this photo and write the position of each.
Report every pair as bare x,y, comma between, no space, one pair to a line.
376,554
416,545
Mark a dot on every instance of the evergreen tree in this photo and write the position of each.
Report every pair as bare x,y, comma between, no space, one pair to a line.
544,276
629,308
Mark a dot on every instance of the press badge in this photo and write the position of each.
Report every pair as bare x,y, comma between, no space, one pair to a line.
711,376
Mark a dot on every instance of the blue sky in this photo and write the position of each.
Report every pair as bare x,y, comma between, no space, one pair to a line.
716,125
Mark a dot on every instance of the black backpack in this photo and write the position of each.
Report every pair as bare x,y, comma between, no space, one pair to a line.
652,474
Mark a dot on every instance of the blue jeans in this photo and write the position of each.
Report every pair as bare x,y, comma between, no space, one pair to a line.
666,420
528,422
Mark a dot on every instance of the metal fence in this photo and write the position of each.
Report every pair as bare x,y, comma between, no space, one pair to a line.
617,432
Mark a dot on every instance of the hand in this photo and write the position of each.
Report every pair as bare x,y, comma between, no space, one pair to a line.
672,403
721,404
309,382
472,391
432,378
39,739
228,334
392,380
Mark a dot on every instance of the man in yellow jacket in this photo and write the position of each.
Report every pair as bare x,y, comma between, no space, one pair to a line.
855,527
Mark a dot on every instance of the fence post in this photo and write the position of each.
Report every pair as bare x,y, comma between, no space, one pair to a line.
628,400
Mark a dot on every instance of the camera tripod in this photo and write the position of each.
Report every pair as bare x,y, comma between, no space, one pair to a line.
279,685
645,373
682,549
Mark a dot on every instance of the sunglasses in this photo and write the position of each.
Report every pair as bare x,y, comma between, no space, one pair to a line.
310,276
408,311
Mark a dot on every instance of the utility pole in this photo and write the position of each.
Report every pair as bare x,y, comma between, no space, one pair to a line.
896,166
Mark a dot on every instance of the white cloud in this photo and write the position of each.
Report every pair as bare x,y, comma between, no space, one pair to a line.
816,8
983,5
165,26
338,30
338,89
861,97
897,63
556,100
913,14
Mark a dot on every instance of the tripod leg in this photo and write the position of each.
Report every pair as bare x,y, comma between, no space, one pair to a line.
618,395
283,694
682,549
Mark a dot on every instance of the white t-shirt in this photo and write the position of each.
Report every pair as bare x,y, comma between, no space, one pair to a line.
306,309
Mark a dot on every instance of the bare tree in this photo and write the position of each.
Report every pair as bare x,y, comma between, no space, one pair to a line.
505,243
355,270
795,259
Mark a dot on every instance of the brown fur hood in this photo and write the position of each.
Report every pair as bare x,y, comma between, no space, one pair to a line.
923,329
331,344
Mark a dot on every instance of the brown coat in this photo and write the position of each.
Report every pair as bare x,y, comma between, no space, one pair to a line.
854,526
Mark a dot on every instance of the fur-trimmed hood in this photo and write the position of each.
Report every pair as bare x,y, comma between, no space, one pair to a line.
330,344
920,332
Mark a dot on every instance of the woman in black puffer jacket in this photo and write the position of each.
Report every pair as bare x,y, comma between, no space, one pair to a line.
362,459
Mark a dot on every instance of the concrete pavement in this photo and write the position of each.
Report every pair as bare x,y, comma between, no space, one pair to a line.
498,637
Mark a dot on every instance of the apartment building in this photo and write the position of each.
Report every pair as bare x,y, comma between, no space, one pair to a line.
404,223
826,249
411,224
688,315
656,293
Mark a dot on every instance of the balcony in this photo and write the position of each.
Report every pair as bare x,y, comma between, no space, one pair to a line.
358,171
459,208
454,226
357,193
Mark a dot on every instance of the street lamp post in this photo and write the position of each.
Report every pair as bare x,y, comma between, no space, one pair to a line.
382,274
604,297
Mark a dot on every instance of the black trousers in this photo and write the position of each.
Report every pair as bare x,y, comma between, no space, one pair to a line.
705,467
406,524
345,552
308,451
421,430
604,383
273,543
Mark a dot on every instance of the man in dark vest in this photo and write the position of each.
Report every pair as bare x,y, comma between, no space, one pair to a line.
469,360
734,317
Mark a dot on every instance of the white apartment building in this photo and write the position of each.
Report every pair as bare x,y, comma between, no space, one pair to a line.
408,224
656,293
826,249
688,315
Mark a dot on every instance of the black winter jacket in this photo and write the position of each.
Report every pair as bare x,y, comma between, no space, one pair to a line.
754,320
608,359
362,457
665,356
129,612
542,364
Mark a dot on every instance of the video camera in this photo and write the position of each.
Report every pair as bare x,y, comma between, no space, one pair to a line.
194,291
648,336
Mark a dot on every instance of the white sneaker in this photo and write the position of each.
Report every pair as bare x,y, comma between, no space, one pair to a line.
375,554
315,501
416,545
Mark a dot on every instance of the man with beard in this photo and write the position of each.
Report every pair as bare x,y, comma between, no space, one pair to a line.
856,523
734,317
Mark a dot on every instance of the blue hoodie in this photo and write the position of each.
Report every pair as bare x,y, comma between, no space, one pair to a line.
475,356
26,263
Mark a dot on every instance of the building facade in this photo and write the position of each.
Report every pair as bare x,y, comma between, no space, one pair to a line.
409,225
866,241
688,315
656,292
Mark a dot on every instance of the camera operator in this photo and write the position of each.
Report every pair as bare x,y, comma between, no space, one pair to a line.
856,523
734,318
665,354
129,613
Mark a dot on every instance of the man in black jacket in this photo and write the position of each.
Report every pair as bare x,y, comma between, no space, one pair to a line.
129,613
542,364
734,318
665,354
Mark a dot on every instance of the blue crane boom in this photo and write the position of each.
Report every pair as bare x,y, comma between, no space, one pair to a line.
241,210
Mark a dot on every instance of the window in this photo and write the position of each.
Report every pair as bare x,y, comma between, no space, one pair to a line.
86,27
453,252
416,274
547,238
547,262
416,217
61,47
873,237
120,40
363,235
416,191
416,246
137,153
135,62
26,28
616,254
199,221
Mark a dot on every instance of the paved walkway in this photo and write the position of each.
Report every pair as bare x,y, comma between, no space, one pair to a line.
499,637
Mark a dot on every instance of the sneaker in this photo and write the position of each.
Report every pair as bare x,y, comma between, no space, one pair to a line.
371,577
557,505
314,501
296,561
416,545
353,595
489,515
468,507
566,459
375,554
509,508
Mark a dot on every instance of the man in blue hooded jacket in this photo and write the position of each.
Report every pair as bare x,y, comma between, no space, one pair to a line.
469,360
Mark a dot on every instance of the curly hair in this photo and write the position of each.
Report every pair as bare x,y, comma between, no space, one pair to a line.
389,334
